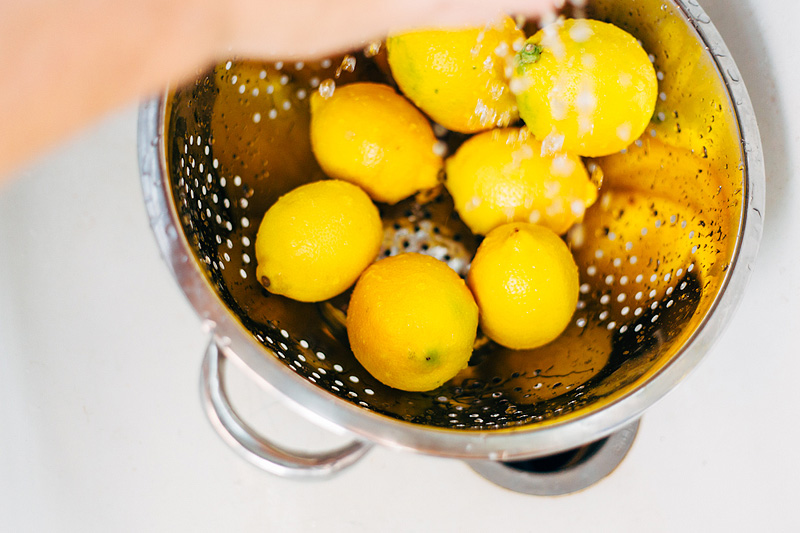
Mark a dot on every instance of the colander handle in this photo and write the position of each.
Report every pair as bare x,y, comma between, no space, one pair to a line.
255,448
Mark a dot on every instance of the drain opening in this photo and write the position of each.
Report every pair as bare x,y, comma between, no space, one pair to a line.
559,461
564,472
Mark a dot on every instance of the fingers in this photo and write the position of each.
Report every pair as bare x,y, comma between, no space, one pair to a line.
305,29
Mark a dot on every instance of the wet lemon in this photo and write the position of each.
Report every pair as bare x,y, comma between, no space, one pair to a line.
502,176
526,285
367,134
315,241
585,86
459,77
412,322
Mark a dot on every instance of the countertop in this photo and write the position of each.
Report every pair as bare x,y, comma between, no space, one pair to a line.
101,427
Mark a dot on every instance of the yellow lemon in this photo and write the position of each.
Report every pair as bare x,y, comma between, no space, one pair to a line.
526,285
459,77
502,176
412,322
585,86
315,241
367,134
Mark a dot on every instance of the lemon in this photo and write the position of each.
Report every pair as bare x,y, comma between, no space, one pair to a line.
502,176
585,86
459,77
412,322
367,134
635,247
526,285
315,241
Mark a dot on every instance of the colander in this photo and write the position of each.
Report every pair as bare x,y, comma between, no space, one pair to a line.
663,255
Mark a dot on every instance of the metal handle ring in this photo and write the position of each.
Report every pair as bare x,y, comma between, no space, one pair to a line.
255,448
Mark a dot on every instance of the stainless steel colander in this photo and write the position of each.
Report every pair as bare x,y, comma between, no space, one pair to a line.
664,256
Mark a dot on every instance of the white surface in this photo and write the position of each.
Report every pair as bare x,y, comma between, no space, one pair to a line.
101,427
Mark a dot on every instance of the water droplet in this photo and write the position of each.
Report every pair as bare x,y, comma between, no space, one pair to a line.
327,88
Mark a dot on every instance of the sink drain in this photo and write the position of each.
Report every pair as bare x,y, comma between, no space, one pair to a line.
564,472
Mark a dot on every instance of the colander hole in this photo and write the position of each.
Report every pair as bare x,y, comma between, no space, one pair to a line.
283,345
599,254
658,223
321,357
638,328
644,231
338,368
617,262
654,306
652,293
621,297
683,285
354,379
638,295
322,371
370,392
215,164
628,246
669,303
246,259
691,267
605,299
609,280
611,325
633,260
273,114
255,92
301,357
637,311
591,270
338,382
662,96
603,315
256,117
585,288
580,305
246,241
669,290
581,322
625,310
623,329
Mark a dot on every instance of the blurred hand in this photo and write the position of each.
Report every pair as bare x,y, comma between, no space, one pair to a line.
67,62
